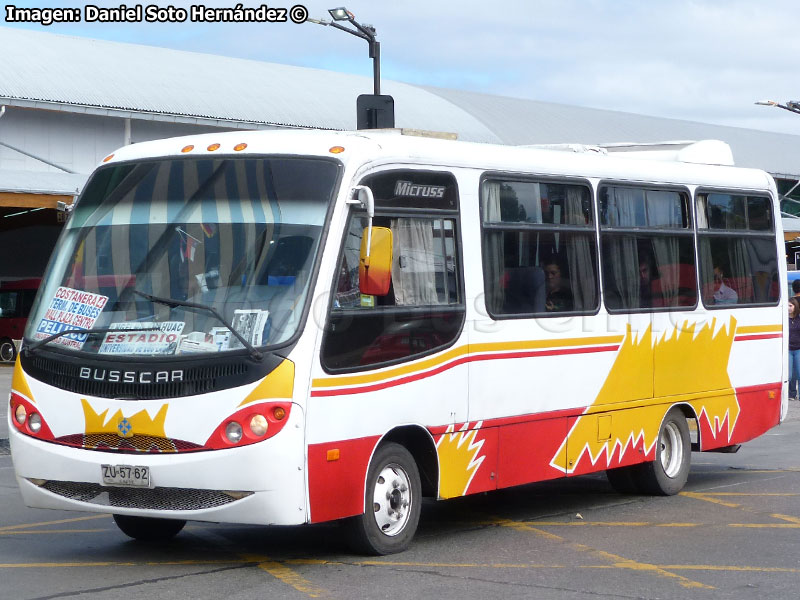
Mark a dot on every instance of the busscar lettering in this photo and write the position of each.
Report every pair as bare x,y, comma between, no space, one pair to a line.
43,16
115,376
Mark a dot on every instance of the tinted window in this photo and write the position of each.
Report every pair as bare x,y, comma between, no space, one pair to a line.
539,249
647,248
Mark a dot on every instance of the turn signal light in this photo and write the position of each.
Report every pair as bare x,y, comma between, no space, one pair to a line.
250,424
336,150
27,419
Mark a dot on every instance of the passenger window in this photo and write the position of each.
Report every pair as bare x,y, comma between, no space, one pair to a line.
647,249
539,251
738,255
423,310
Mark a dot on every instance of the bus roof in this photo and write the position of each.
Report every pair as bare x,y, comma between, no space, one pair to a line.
392,146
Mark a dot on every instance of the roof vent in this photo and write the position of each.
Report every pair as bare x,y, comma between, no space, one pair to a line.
704,152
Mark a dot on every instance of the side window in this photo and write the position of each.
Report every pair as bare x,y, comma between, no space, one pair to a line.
738,255
647,245
539,250
424,309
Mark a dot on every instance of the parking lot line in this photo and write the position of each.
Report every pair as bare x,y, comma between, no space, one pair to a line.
283,573
617,561
59,522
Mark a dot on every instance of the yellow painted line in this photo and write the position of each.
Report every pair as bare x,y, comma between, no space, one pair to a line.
737,568
59,522
616,560
766,525
48,531
280,571
312,591
707,498
748,494
789,518
747,329
611,524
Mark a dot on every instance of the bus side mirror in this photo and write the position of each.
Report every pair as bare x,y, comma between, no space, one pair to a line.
375,261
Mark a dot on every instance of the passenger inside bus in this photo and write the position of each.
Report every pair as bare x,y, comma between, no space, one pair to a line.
559,296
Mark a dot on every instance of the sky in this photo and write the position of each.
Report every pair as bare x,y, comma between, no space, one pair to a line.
697,60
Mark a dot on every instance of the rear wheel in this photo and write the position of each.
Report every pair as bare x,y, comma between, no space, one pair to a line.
392,503
147,529
8,352
667,474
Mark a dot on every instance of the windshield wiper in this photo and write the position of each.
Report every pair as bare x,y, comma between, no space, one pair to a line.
47,340
172,303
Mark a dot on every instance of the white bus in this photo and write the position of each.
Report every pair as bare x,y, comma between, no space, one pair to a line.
296,327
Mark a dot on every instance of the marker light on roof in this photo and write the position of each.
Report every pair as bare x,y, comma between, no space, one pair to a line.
108,158
213,147
188,148
336,150
240,147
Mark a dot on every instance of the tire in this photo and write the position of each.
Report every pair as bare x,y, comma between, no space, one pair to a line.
392,501
667,474
624,479
147,529
8,351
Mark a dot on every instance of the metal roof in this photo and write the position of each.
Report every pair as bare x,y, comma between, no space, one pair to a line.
82,75
41,182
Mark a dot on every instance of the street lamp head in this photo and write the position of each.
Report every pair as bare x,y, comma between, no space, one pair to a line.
766,103
341,14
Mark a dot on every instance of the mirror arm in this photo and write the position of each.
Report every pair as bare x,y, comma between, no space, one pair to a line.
363,196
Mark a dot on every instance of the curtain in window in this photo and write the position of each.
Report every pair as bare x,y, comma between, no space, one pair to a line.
413,268
579,254
661,210
495,295
621,250
741,268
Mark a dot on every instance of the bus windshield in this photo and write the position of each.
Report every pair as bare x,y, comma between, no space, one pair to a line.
164,257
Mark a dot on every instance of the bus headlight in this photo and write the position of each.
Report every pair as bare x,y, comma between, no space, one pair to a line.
258,425
20,414
35,422
233,431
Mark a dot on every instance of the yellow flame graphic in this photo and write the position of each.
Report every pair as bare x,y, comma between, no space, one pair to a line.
458,459
682,362
141,422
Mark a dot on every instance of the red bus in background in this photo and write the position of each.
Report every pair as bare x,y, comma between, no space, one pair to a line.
16,299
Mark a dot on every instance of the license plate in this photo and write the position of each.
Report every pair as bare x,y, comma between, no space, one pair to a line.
126,475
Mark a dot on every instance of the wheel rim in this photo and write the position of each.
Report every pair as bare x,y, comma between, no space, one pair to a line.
391,500
671,449
6,351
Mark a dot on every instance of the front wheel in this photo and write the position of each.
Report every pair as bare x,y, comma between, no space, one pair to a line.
667,475
392,503
148,529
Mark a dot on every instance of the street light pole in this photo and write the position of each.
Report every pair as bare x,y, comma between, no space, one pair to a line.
375,111
791,106
365,32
